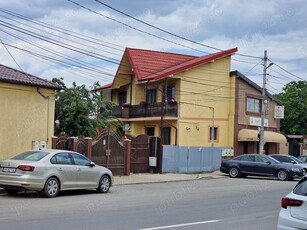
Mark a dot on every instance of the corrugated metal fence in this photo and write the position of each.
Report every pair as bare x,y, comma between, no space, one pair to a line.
178,159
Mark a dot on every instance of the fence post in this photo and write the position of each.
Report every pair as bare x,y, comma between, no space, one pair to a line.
88,147
53,142
73,144
127,144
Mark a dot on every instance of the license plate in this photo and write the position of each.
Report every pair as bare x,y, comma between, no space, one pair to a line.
9,170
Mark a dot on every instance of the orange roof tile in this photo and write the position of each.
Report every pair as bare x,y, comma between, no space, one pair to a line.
149,64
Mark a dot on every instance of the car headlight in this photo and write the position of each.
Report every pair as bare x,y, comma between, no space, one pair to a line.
295,169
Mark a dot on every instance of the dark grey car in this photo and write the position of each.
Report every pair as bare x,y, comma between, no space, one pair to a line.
260,165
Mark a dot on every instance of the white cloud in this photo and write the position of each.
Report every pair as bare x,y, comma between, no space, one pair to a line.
253,26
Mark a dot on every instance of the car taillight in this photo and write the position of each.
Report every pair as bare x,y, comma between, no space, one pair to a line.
285,202
26,168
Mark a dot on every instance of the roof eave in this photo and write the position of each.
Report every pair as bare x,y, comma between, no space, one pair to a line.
193,63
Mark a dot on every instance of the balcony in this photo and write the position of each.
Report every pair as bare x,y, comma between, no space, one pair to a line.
136,111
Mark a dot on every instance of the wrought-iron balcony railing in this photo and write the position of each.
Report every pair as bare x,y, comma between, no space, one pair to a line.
147,110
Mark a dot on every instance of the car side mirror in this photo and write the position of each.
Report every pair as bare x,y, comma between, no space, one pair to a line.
293,162
268,162
92,164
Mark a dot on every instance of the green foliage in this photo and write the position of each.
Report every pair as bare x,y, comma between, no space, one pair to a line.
77,110
294,97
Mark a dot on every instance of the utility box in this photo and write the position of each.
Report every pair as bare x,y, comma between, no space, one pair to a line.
38,145
152,161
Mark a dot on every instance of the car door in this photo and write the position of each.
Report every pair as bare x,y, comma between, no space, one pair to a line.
87,175
264,166
66,170
247,164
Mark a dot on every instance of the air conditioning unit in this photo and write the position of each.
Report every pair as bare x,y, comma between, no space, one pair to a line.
126,127
38,145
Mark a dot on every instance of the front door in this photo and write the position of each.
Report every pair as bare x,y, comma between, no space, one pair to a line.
65,169
263,166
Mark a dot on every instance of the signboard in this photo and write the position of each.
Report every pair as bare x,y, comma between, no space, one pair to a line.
256,121
279,112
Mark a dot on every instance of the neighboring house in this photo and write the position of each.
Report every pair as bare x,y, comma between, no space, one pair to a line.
247,118
27,111
297,145
199,97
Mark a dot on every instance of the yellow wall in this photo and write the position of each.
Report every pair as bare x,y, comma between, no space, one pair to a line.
25,116
206,86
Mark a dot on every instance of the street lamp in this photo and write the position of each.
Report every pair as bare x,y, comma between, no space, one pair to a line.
265,67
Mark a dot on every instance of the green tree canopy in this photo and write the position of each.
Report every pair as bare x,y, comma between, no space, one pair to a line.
294,97
77,110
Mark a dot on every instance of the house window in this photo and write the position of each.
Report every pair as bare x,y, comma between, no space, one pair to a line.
253,105
170,92
166,136
151,96
214,134
122,97
150,131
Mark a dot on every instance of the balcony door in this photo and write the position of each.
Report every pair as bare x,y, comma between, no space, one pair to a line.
151,96
122,97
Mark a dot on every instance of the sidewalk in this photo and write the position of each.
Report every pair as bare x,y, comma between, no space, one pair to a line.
143,178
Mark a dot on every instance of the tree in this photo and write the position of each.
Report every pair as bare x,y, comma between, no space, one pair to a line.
77,110
294,97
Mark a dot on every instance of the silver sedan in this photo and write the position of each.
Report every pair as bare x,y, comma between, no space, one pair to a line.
51,171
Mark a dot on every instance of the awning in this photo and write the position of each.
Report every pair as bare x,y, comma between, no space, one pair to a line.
269,136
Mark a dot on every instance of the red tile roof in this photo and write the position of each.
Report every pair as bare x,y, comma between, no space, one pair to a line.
149,64
146,63
14,76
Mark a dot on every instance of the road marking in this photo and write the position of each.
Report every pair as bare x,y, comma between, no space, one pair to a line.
182,225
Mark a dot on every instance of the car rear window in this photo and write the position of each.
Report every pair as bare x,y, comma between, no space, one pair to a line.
301,188
30,156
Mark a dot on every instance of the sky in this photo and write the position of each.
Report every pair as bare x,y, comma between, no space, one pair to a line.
83,41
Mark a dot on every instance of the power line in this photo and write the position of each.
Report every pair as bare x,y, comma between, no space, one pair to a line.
165,31
11,55
288,71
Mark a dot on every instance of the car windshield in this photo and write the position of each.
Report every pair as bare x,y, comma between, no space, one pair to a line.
30,156
301,188
297,160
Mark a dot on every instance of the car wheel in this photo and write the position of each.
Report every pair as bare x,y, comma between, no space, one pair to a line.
51,188
234,172
104,184
282,175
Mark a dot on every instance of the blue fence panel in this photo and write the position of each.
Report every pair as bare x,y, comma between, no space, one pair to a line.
178,159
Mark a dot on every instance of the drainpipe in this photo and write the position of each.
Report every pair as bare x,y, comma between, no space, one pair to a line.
48,111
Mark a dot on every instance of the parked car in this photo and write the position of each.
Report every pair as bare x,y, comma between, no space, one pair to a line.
293,212
260,165
51,171
303,158
289,159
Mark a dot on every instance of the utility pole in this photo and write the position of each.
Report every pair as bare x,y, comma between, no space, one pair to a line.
261,139
265,67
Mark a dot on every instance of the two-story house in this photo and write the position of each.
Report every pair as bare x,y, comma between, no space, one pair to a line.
194,99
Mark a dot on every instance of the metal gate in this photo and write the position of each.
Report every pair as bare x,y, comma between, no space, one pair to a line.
143,147
108,150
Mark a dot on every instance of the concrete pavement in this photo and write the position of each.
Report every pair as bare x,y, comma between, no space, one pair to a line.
141,178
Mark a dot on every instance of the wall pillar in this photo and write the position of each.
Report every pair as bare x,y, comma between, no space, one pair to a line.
88,147
53,142
73,144
127,144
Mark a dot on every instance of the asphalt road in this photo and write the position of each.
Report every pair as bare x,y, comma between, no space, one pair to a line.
202,204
